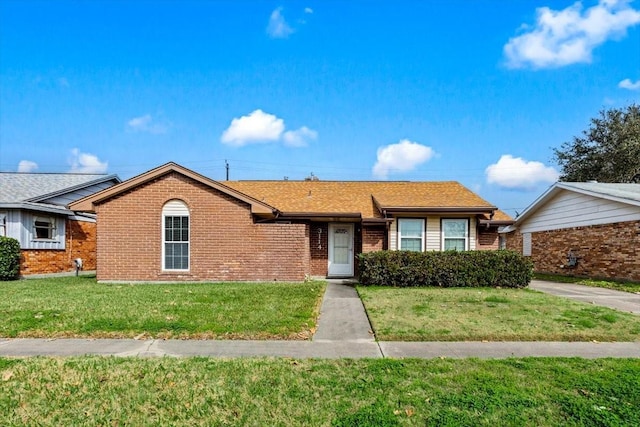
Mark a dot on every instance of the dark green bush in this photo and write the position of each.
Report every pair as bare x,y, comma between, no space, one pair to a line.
9,258
505,269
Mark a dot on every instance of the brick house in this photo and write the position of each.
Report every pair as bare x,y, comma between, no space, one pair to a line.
173,224
585,229
33,211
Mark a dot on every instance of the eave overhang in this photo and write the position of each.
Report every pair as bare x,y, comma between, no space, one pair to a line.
322,216
38,207
472,210
495,223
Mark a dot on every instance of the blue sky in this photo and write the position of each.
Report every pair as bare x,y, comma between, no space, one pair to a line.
473,91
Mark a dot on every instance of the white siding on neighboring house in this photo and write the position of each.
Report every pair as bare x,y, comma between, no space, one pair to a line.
569,209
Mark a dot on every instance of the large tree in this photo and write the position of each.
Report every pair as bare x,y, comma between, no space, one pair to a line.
609,151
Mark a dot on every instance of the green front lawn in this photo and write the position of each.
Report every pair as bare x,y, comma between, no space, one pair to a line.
80,307
475,314
88,391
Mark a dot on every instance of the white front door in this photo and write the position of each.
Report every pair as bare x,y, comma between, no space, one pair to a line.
341,250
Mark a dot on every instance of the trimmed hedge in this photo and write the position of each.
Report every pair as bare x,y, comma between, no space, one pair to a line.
9,258
506,269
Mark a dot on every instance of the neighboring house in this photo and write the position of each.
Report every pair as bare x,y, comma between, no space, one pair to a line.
33,211
173,224
585,229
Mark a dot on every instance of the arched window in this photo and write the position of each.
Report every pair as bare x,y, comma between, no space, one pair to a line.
175,236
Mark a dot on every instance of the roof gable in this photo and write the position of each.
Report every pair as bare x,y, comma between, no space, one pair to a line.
88,204
617,192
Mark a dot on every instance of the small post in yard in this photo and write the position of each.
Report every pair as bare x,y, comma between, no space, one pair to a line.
78,263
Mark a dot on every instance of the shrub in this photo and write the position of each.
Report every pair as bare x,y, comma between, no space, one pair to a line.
9,258
502,268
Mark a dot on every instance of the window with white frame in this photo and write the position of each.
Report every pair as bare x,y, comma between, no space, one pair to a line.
3,224
44,227
175,245
411,234
455,234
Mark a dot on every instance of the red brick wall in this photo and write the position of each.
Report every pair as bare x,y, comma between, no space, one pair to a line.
225,243
80,243
319,248
603,251
374,238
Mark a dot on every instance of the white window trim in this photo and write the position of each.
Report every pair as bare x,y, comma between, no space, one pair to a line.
467,239
53,228
175,208
423,242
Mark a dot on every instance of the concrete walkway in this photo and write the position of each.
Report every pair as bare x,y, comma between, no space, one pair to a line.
343,332
623,301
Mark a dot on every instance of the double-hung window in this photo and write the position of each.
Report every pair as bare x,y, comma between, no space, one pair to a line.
411,234
175,220
455,234
44,227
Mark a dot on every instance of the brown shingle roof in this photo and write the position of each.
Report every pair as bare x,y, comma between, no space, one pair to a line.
357,197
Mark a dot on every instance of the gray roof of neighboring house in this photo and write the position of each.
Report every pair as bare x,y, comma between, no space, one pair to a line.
25,187
621,191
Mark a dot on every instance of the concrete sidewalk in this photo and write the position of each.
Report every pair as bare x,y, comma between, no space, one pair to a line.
312,349
343,332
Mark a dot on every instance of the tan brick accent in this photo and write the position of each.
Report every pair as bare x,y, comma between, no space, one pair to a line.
225,242
80,243
603,251
488,239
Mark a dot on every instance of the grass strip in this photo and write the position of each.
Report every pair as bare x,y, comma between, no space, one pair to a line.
87,391
80,307
479,314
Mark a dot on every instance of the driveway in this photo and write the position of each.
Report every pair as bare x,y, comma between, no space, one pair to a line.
623,301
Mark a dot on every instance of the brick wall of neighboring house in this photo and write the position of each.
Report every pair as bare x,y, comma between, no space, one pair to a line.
225,243
487,238
603,251
80,243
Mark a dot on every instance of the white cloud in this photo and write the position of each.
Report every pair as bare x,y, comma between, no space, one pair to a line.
86,163
569,36
147,124
628,84
278,28
27,166
308,10
300,137
517,173
401,157
258,126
